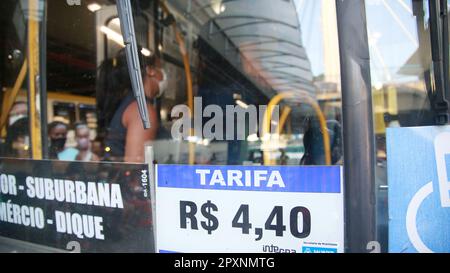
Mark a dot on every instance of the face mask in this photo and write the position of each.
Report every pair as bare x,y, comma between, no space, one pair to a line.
58,143
163,84
15,118
83,143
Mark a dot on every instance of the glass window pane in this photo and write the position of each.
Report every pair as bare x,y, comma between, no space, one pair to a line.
402,80
226,61
15,139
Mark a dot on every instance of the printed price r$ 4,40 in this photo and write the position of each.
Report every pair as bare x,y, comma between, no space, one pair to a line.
274,222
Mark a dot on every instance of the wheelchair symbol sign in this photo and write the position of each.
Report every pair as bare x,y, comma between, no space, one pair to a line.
442,155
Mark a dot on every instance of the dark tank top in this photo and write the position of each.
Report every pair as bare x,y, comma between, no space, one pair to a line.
117,133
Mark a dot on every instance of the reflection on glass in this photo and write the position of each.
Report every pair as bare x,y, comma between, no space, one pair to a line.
402,79
232,82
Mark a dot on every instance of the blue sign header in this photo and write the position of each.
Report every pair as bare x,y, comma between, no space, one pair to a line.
314,179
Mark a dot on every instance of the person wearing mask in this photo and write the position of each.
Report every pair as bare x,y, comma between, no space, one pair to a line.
57,132
82,152
118,111
82,137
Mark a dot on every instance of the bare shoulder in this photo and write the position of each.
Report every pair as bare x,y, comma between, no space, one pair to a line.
131,114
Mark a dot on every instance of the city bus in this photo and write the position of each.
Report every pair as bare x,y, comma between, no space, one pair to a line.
302,86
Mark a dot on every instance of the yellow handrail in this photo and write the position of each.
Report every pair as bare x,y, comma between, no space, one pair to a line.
187,70
280,128
10,95
323,125
266,121
33,73
284,115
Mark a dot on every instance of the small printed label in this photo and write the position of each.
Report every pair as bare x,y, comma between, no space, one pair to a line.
311,249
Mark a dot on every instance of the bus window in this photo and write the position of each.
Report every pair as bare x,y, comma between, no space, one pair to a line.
223,55
64,112
88,115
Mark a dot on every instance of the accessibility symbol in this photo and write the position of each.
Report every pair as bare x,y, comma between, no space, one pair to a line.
442,155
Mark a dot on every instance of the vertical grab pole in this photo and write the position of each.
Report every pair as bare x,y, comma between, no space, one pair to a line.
43,81
34,80
359,143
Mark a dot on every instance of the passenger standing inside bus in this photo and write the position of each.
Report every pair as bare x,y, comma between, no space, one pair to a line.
57,133
82,152
118,110
82,137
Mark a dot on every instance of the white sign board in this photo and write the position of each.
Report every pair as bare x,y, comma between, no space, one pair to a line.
249,209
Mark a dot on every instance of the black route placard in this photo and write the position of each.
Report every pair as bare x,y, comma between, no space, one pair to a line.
100,207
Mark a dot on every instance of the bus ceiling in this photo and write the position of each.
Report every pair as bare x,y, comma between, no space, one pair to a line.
253,40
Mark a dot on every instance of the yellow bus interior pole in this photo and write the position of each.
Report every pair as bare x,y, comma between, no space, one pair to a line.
323,125
10,96
33,79
266,136
284,116
280,128
324,129
267,117
289,126
188,74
